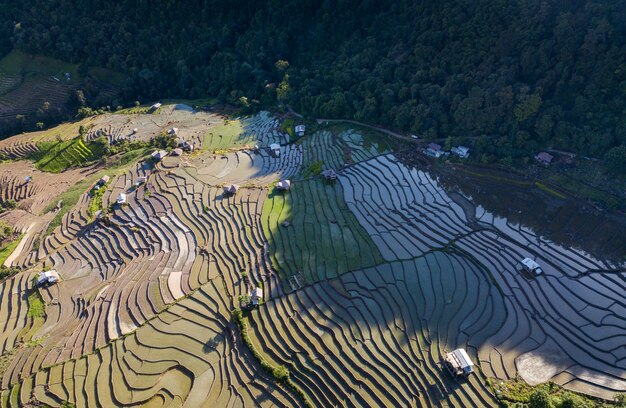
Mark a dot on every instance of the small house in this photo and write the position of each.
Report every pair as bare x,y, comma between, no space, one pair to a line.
68,76
135,130
460,151
531,266
105,179
256,149
544,158
256,296
177,152
188,147
121,199
275,149
173,131
48,278
154,107
28,179
329,175
283,185
231,189
159,155
459,363
434,150
140,180
300,130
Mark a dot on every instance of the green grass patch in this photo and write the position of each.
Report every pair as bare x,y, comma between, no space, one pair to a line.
96,200
36,307
310,229
70,197
18,62
549,190
314,169
57,156
8,248
517,393
225,136
288,127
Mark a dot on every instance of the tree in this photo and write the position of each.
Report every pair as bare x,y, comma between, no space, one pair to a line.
616,159
283,90
539,399
281,65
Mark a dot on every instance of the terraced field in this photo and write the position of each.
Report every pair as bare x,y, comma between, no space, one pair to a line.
367,282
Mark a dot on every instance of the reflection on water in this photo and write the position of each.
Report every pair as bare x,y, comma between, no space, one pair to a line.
564,221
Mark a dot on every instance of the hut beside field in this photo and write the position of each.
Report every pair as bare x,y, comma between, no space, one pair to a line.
531,266
121,199
256,296
459,363
544,158
159,155
154,107
105,179
283,185
230,189
275,149
48,278
329,175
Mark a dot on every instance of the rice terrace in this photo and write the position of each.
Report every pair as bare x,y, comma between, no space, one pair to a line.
169,256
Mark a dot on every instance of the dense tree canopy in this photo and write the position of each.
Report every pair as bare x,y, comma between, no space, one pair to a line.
516,75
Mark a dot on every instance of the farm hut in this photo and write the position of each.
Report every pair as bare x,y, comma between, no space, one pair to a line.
47,278
140,180
121,199
173,131
434,150
177,152
460,151
459,363
135,130
283,185
154,107
105,179
256,149
28,179
531,266
300,129
256,296
329,175
275,149
188,147
231,189
159,155
544,158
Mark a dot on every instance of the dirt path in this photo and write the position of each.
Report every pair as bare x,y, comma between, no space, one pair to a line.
354,122
20,247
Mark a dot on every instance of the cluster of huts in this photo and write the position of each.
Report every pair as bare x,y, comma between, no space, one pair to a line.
435,150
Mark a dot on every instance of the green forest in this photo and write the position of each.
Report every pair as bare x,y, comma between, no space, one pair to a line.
508,76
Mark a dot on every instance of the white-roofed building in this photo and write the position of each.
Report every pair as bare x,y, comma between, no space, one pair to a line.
531,266
275,149
283,185
48,278
459,363
256,296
